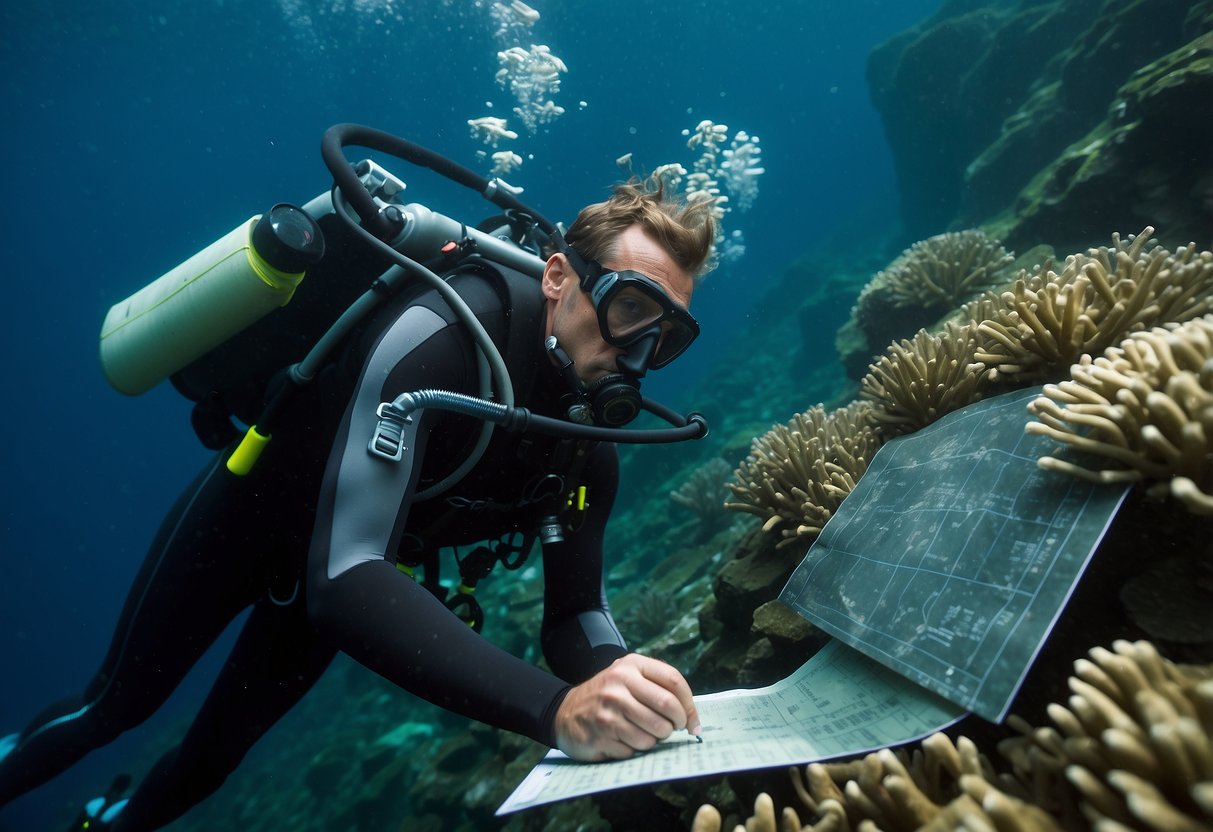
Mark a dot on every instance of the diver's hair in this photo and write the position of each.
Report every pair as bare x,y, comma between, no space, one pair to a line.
684,229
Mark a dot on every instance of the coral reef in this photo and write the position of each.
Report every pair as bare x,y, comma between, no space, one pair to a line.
1145,408
928,280
941,785
888,791
799,472
1049,319
704,494
917,382
1153,388
1034,332
1132,751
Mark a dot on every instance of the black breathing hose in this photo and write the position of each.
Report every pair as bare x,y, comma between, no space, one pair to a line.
337,137
519,419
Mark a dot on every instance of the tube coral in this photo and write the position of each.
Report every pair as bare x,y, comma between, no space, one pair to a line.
1131,747
797,474
929,279
916,382
1142,412
1131,750
1048,320
940,787
704,494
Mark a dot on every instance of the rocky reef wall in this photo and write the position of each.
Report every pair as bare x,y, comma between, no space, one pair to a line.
1052,121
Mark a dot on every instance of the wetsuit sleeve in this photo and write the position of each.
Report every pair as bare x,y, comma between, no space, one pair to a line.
579,635
356,596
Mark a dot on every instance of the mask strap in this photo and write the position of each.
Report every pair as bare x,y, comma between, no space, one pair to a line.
588,271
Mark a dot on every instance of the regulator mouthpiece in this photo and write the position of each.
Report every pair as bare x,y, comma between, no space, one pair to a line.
612,401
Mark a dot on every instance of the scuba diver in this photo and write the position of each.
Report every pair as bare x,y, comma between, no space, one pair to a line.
332,536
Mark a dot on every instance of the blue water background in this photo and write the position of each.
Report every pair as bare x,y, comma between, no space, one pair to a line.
136,133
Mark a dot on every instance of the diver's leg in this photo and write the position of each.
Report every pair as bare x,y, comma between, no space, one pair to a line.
192,582
275,661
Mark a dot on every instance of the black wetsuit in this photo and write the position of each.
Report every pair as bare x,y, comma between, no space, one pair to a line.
310,539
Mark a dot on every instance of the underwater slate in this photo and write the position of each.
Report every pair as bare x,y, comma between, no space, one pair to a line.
955,554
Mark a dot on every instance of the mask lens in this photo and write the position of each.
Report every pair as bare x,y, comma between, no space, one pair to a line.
630,311
676,336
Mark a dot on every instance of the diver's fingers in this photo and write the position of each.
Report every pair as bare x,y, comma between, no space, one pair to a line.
683,712
648,695
624,708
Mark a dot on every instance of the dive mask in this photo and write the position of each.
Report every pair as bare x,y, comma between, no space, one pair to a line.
634,311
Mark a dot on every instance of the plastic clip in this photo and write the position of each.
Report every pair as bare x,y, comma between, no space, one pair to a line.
466,608
387,441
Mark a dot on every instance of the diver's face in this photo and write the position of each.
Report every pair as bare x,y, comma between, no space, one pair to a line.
571,315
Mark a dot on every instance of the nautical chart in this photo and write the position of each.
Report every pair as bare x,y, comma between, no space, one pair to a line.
839,703
955,554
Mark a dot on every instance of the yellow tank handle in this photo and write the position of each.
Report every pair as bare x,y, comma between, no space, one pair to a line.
247,452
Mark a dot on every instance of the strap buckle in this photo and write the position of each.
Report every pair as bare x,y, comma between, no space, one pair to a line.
387,442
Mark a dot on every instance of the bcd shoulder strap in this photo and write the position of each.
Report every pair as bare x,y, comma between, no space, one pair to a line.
523,301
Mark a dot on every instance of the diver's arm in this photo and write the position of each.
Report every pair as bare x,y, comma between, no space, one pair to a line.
624,702
393,626
356,596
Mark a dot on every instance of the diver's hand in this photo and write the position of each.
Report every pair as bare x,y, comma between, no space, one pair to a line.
626,708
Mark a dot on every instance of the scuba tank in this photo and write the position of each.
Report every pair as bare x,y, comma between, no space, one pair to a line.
220,291
222,324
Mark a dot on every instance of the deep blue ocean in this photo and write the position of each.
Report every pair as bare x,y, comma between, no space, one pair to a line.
136,133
